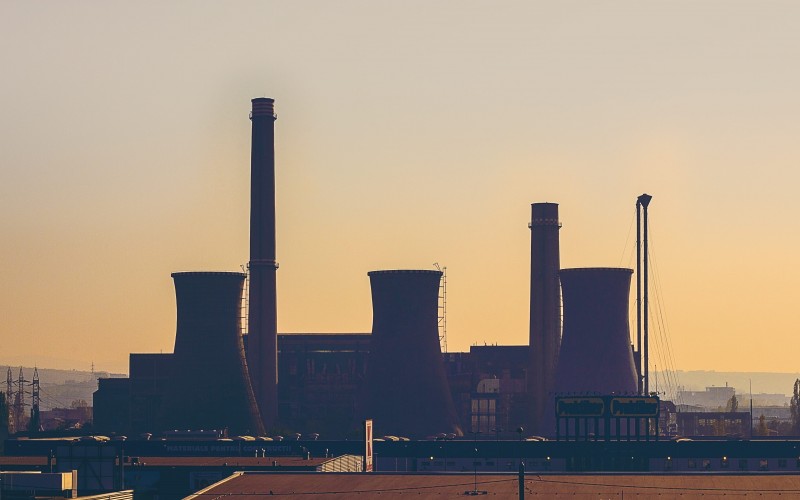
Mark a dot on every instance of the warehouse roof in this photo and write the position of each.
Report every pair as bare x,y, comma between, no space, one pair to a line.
424,486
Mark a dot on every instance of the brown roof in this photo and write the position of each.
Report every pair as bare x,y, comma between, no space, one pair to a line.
438,486
32,461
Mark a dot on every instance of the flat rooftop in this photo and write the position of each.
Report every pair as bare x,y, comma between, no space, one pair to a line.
438,486
31,461
243,462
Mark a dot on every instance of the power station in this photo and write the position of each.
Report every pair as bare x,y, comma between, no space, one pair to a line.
397,374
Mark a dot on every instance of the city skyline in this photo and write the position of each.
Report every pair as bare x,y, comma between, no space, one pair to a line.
406,135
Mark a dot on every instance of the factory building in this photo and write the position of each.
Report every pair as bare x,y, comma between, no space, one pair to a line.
322,380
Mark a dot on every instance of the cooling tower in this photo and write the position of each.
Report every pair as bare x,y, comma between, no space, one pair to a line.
595,352
406,390
545,308
210,387
262,322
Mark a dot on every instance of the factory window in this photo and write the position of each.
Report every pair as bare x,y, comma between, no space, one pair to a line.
691,464
763,464
707,464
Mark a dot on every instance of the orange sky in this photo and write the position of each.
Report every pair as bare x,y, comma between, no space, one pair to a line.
408,133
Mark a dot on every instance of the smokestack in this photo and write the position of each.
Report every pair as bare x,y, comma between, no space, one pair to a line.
210,386
263,316
407,390
545,309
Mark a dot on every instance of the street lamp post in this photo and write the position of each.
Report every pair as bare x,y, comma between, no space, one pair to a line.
521,473
475,490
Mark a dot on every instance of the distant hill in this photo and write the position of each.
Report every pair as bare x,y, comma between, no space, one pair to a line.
58,388
763,382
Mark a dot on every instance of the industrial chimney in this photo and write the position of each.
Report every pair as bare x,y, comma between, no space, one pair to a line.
545,308
262,321
210,387
407,393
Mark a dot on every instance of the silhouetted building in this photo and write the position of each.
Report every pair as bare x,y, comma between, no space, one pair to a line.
112,405
321,377
150,374
322,381
489,387
714,423
76,417
713,398
668,419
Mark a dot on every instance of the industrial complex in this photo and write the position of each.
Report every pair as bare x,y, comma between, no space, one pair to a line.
576,399
259,382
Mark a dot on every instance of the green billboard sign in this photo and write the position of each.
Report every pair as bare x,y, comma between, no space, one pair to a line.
580,407
634,407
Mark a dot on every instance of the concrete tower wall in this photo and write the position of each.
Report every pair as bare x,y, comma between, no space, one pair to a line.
407,393
596,354
210,385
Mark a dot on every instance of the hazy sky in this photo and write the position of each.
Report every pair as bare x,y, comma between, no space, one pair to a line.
408,133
